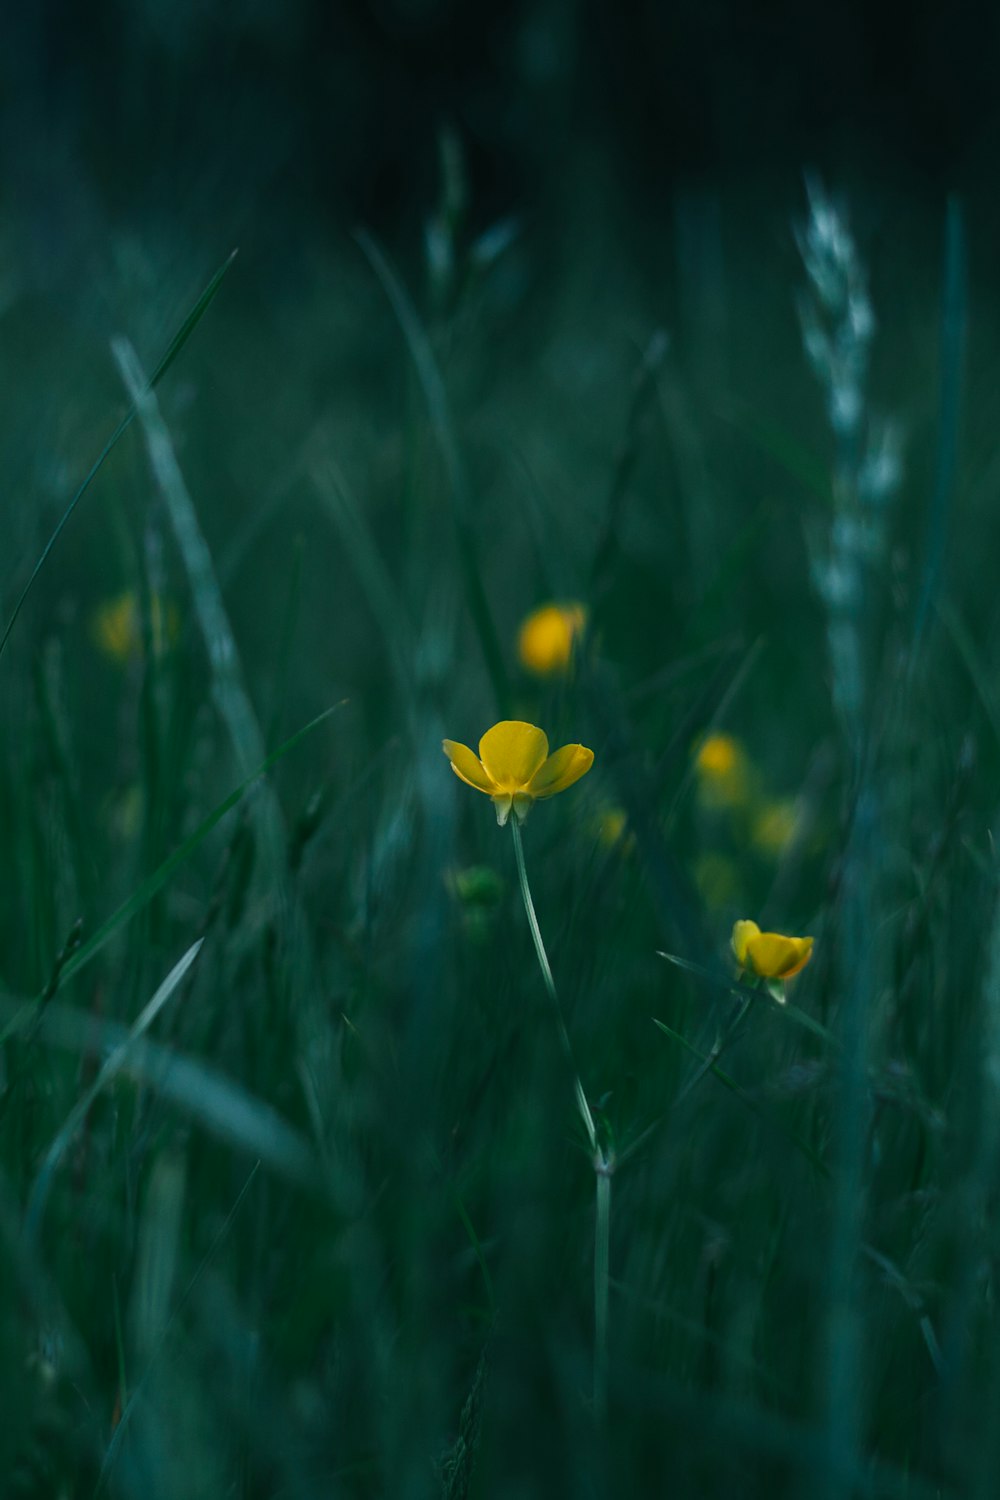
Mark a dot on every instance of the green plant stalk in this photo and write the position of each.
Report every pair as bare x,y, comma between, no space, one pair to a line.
603,1161
604,1170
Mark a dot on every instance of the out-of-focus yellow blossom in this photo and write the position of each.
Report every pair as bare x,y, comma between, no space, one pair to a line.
774,825
611,825
769,955
117,626
611,830
718,880
723,771
547,638
514,767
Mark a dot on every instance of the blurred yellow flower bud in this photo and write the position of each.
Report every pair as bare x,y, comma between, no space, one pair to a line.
723,771
611,830
548,636
774,825
116,626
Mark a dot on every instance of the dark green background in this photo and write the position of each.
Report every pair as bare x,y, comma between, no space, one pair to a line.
336,1237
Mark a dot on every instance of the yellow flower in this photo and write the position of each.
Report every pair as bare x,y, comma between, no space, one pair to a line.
774,825
547,637
514,767
117,626
723,772
768,954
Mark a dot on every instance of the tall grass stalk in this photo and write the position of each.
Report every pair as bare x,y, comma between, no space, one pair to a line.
603,1159
838,326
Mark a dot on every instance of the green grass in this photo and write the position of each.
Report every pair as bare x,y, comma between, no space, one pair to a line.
295,1197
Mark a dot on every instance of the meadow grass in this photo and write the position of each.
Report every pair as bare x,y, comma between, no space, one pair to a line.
295,1196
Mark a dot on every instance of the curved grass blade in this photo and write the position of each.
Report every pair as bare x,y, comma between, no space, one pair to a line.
138,1390
142,896
745,1098
441,423
221,1105
741,991
112,1066
954,325
228,685
174,348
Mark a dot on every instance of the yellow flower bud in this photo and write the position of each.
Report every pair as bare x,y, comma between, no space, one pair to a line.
723,771
769,955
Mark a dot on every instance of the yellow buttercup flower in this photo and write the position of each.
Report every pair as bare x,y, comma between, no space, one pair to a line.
723,771
547,638
769,955
514,767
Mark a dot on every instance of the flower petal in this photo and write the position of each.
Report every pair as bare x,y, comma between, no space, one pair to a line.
502,805
523,803
805,948
773,956
512,752
561,770
742,933
467,767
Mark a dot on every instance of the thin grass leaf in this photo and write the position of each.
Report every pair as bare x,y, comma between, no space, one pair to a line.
173,350
734,1088
954,323
129,1405
477,1249
155,882
642,393
112,1067
221,1105
798,461
980,675
443,428
228,686
286,640
740,991
384,602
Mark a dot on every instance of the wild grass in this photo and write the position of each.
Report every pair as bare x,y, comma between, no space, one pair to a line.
295,1199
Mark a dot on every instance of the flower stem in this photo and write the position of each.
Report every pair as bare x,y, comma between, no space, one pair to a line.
602,1281
603,1160
550,985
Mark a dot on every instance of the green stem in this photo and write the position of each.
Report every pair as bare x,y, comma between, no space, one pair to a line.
602,1283
550,985
603,1160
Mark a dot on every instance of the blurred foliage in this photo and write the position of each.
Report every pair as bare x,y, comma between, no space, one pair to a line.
314,1215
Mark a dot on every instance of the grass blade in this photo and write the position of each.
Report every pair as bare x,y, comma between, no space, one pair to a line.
155,882
441,423
174,348
751,1104
229,689
113,1065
